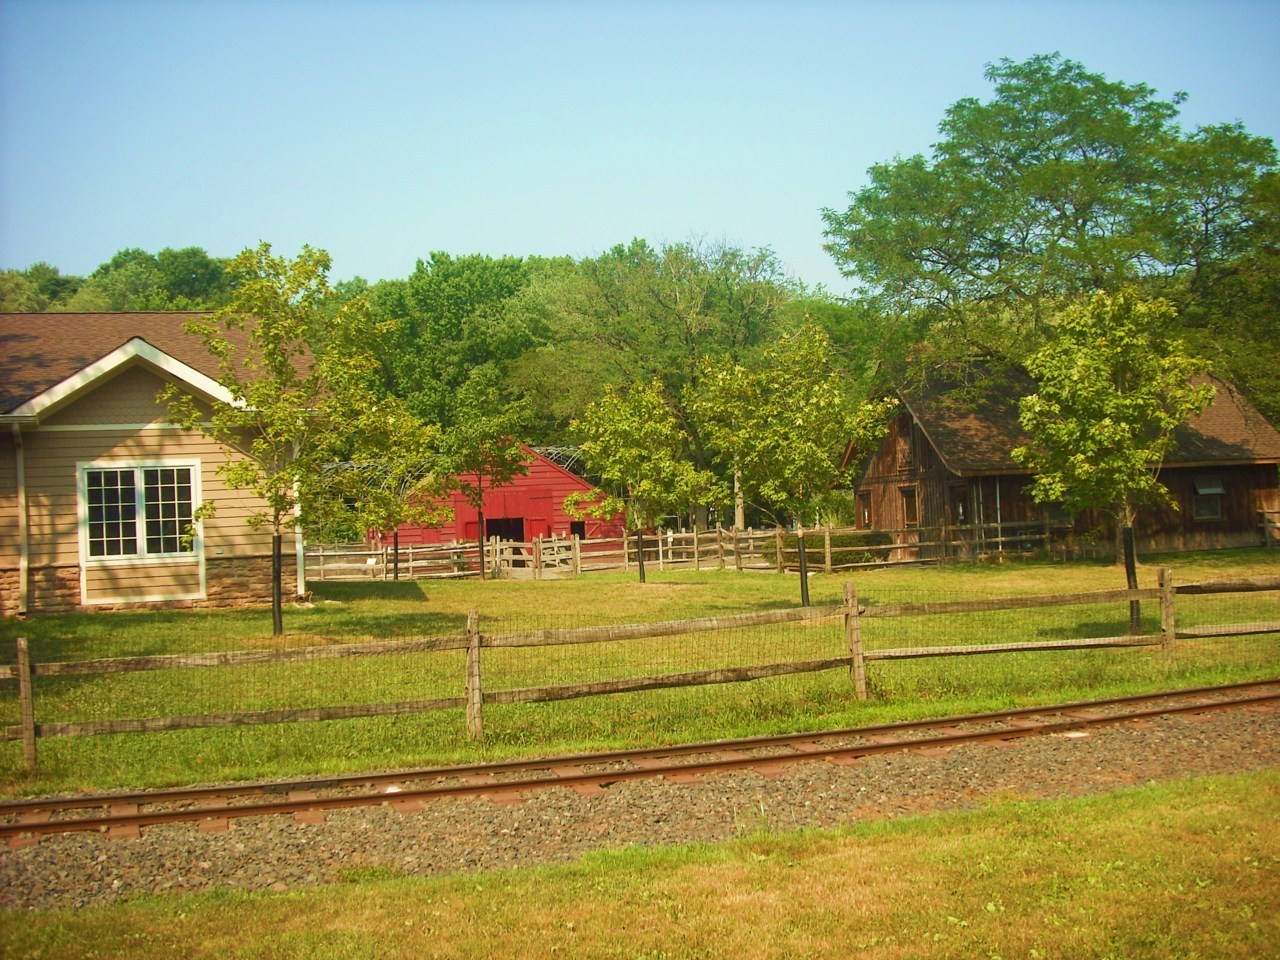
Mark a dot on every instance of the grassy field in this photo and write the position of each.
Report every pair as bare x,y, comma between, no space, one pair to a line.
344,613
1189,870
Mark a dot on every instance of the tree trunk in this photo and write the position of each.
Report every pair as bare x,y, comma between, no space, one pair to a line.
277,604
739,501
1131,578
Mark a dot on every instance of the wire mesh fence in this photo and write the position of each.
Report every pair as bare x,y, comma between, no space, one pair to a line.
421,692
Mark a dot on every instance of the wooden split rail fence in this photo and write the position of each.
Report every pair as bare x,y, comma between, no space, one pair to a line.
828,549
855,657
1269,521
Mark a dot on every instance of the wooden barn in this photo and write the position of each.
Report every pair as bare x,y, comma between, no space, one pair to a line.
946,463
529,507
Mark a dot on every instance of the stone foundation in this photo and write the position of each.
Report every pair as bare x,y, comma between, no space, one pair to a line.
230,582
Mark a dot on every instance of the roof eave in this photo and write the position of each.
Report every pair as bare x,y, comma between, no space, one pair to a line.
135,349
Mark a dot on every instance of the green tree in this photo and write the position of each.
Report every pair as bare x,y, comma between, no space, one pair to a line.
1062,184
193,278
482,448
295,408
1112,387
1231,310
639,314
398,477
18,294
133,279
635,445
784,422
446,320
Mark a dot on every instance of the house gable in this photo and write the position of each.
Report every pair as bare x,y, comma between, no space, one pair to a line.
98,490
135,352
958,468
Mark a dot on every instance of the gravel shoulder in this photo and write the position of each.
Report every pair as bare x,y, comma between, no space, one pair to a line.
77,870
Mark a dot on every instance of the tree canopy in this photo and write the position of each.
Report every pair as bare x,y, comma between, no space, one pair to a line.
784,423
1062,184
1112,387
297,406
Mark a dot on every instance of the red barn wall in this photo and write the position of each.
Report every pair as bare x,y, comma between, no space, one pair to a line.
536,499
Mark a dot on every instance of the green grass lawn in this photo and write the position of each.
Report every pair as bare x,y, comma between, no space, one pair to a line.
1188,870
344,613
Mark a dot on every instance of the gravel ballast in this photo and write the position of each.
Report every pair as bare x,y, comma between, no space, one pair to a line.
277,853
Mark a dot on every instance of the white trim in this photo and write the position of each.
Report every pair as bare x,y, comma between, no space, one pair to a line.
155,425
195,556
135,349
145,598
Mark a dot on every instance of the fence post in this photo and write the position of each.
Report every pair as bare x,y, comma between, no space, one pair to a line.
720,545
28,706
1168,622
475,696
577,555
779,544
804,567
697,548
826,548
853,635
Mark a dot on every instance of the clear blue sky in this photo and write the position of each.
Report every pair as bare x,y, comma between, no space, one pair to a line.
383,130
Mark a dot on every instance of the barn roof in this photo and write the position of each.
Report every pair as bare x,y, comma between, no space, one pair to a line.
974,427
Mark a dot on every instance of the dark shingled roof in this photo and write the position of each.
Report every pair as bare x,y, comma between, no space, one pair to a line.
974,429
40,350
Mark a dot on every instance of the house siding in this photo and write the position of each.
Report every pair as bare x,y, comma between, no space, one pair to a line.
9,547
120,421
1248,488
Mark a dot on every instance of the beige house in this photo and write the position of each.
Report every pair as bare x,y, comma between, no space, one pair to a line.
97,489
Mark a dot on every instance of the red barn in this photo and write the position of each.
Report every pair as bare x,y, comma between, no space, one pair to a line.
529,507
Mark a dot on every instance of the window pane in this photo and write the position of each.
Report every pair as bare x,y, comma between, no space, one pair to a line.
167,497
111,509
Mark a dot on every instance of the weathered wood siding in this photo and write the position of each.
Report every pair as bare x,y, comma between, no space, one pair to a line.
906,463
1246,488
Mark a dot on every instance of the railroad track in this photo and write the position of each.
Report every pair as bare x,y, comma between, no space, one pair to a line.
213,808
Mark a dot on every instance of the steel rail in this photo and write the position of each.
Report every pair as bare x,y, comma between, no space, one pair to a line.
366,778
34,818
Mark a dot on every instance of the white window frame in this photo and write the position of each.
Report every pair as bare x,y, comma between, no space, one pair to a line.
83,469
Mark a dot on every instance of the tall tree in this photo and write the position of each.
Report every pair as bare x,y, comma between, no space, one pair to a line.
296,407
1112,387
481,449
1062,184
634,444
783,423
449,318
639,314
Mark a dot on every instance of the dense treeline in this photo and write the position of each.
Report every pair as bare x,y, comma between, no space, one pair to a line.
186,279
1063,185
